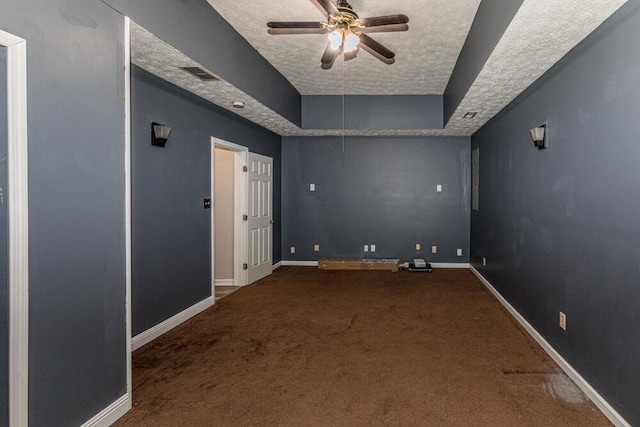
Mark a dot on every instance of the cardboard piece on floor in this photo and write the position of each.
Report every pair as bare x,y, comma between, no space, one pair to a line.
359,264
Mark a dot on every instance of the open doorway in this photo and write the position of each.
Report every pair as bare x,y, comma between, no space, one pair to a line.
223,217
223,213
228,229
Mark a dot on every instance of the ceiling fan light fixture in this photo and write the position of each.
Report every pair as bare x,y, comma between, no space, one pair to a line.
345,31
335,38
351,42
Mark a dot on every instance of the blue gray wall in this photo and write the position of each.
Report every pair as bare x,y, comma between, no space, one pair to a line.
4,241
171,231
372,112
77,341
559,227
379,191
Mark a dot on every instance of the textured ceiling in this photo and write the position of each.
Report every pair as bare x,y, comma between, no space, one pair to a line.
542,29
425,55
540,34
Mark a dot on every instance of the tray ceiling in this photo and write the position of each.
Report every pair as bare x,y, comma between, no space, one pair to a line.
426,55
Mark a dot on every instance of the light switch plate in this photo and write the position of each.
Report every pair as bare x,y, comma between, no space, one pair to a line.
563,321
312,187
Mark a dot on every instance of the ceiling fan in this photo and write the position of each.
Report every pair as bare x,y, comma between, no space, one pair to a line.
347,32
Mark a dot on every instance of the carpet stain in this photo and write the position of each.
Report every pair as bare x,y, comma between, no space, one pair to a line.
559,386
352,322
520,371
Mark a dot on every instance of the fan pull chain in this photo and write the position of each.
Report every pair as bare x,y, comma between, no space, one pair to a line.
343,113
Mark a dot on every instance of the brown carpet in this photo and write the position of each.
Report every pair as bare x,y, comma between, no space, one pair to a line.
306,347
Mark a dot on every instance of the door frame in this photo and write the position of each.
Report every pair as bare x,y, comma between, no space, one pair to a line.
128,214
18,176
240,197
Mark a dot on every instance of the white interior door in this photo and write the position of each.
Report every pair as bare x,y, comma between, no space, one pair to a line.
260,217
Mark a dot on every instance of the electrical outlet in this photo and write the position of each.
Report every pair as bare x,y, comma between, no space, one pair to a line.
417,246
293,249
434,249
373,248
366,248
316,248
563,321
484,261
439,188
459,252
312,187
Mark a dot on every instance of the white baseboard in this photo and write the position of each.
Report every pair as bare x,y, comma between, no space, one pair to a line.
224,282
277,265
110,414
315,264
154,332
591,393
450,264
299,263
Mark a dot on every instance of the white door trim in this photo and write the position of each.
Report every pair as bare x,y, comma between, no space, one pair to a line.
240,208
127,201
18,228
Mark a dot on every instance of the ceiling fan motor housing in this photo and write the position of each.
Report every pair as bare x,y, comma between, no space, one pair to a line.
346,10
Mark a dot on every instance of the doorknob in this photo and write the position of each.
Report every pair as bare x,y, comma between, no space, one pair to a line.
271,221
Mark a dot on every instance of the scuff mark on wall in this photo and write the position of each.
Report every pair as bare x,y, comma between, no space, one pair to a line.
566,184
544,239
584,116
620,82
77,18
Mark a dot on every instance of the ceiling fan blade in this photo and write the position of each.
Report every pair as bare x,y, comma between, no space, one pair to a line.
348,56
326,7
286,27
285,31
294,24
329,56
376,21
384,28
371,45
377,55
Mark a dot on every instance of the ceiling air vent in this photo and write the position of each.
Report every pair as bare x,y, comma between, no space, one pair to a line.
200,73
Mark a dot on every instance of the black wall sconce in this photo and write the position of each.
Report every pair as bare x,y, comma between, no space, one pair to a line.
539,136
159,134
